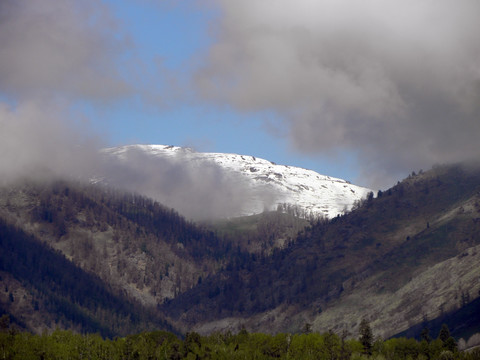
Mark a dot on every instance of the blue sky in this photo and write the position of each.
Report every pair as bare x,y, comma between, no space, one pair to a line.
180,33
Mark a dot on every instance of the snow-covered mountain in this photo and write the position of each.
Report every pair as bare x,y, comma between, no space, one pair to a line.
254,184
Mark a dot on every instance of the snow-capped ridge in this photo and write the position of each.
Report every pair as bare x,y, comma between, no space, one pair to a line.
265,184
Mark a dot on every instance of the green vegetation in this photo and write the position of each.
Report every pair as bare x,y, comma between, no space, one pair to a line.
164,345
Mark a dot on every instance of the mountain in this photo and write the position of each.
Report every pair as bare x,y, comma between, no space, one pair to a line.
42,290
407,256
249,184
92,257
96,259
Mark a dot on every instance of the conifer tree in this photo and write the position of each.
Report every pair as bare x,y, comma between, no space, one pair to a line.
425,335
366,336
444,333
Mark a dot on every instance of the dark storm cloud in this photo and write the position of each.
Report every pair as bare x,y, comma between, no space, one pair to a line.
398,82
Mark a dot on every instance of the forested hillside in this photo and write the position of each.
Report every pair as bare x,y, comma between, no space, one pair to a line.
408,254
96,259
261,233
407,257
47,290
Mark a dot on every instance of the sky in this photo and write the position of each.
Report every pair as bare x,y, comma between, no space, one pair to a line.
366,91
179,35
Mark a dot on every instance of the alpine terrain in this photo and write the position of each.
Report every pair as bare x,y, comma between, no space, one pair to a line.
254,184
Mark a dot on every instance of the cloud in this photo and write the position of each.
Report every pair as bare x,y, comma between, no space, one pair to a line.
198,189
35,141
61,48
55,53
59,54
397,82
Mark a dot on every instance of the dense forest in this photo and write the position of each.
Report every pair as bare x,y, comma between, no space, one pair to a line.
243,345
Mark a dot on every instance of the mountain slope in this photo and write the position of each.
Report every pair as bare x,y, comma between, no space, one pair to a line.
408,254
45,290
145,252
250,183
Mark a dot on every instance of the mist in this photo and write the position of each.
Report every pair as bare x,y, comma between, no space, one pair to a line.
60,49
36,142
198,189
397,83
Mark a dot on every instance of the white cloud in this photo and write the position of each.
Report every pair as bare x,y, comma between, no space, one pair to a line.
36,142
53,54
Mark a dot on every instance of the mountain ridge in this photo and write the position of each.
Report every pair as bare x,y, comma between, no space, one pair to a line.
142,252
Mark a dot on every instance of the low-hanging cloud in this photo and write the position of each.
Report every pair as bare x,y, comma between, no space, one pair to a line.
198,189
37,142
397,82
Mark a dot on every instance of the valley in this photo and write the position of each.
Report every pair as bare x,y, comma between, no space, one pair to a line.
408,255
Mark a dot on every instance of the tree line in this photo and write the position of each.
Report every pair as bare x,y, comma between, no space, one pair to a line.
64,344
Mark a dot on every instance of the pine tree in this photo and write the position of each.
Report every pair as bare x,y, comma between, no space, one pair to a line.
449,342
425,335
444,333
366,337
